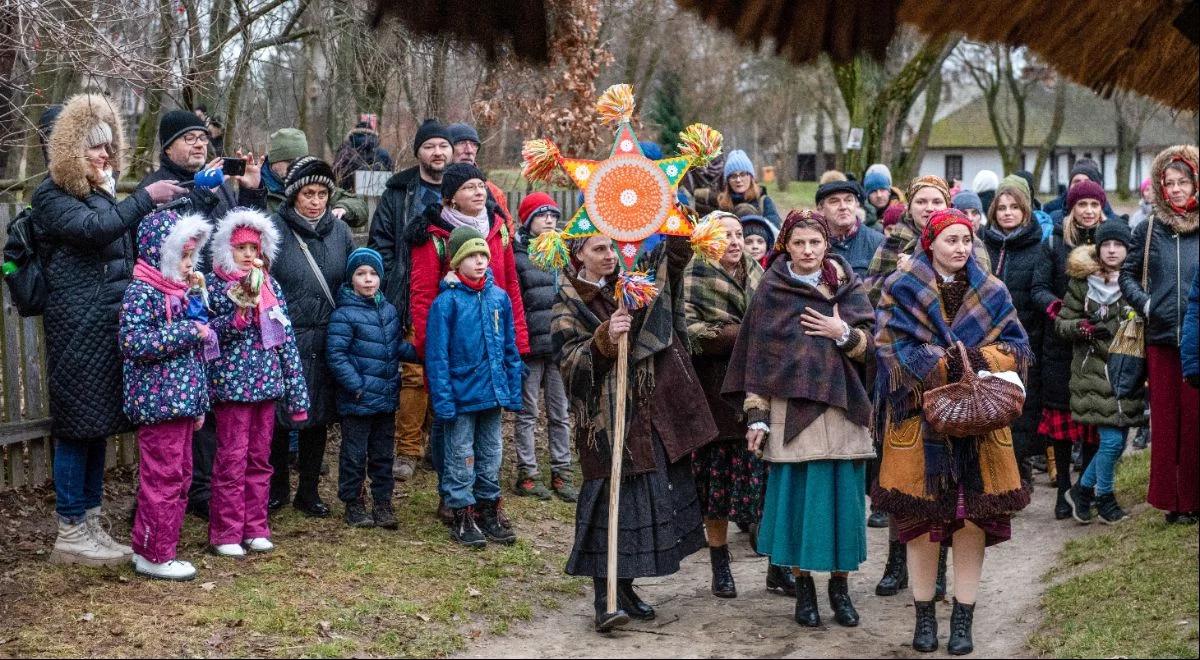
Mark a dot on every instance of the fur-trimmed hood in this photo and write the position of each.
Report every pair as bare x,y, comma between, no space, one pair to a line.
1082,262
222,250
163,234
1180,224
68,168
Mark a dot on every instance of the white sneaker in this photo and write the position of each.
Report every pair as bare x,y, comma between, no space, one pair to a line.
76,545
229,550
95,527
172,569
260,544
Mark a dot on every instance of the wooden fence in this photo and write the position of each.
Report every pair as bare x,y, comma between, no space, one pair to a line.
26,450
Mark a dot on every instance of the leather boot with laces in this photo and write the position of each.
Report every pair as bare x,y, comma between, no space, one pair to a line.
464,531
925,638
895,572
96,527
722,576
493,523
356,514
839,599
960,629
806,613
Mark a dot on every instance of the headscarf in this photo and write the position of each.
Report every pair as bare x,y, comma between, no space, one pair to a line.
939,222
828,270
1190,204
929,181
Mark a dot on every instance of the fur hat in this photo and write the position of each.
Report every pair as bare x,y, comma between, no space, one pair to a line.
163,235
304,171
243,218
81,114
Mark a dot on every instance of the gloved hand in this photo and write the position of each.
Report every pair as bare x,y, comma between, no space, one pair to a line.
1053,309
1102,333
1086,329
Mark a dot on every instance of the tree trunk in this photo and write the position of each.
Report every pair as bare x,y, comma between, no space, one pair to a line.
911,162
1046,148
142,161
435,99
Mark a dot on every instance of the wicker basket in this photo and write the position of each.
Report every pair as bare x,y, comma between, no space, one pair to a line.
973,405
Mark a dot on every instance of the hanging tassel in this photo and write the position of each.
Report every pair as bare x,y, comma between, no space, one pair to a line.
541,158
549,251
636,288
709,239
700,143
615,105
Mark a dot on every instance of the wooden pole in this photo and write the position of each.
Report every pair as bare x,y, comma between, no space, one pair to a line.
618,453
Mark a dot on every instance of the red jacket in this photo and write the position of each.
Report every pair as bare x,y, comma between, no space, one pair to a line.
428,239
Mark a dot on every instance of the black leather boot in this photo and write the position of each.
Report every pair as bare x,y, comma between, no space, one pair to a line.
629,601
939,588
606,620
960,629
722,576
807,614
1062,508
925,638
839,599
895,572
780,580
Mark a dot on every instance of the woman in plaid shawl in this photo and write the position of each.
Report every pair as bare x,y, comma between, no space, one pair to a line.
660,520
944,490
729,478
799,366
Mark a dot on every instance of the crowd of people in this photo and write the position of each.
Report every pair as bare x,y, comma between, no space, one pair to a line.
774,388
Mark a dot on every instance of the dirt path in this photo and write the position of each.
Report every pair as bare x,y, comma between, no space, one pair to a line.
692,623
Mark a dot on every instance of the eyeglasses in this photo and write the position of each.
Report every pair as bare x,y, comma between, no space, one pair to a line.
471,187
194,137
739,175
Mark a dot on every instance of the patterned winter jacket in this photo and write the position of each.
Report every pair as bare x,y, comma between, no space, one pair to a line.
163,367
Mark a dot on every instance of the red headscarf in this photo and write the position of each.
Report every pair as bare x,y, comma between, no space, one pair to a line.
828,271
939,221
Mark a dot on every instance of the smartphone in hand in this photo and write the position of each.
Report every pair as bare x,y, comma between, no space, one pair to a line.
233,166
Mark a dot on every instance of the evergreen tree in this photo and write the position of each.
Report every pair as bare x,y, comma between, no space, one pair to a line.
667,111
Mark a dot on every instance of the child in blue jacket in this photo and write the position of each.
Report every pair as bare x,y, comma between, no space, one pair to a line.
364,347
474,371
165,338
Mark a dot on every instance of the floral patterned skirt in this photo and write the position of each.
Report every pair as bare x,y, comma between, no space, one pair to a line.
729,482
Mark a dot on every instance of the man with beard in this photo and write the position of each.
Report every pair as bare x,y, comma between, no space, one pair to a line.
406,196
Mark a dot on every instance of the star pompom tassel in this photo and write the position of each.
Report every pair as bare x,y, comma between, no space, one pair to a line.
549,251
700,144
541,158
636,289
615,105
710,239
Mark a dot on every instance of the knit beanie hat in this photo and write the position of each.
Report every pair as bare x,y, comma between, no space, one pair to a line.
876,181
651,150
456,175
1113,230
460,131
893,214
287,144
1027,177
243,234
941,220
833,187
757,225
1088,189
1016,181
738,161
306,170
928,181
984,181
429,129
534,205
364,256
880,168
1088,168
177,122
967,199
100,134
465,241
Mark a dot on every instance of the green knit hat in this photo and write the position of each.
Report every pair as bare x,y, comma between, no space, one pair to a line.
1015,181
287,144
465,241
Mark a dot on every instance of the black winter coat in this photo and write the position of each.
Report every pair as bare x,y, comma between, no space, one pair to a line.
330,243
539,292
87,249
1014,259
1173,265
398,206
1049,285
212,204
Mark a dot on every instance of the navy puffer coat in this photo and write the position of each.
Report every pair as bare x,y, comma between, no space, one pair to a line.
364,348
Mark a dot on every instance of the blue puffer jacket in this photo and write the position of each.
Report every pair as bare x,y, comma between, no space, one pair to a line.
364,349
164,368
471,356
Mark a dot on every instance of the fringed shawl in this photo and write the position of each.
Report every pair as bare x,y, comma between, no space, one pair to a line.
714,299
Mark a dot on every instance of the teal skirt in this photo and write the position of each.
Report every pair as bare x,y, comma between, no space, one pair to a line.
814,515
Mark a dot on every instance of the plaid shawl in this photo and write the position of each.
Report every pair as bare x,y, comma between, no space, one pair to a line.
912,336
905,239
713,299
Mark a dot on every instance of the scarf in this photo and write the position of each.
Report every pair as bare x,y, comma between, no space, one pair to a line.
912,336
714,299
1102,292
1190,205
176,296
270,325
811,373
474,285
479,222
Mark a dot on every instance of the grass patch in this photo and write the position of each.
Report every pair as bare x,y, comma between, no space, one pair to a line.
1129,591
327,591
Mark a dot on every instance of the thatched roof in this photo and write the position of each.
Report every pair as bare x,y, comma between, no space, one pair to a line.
1148,46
